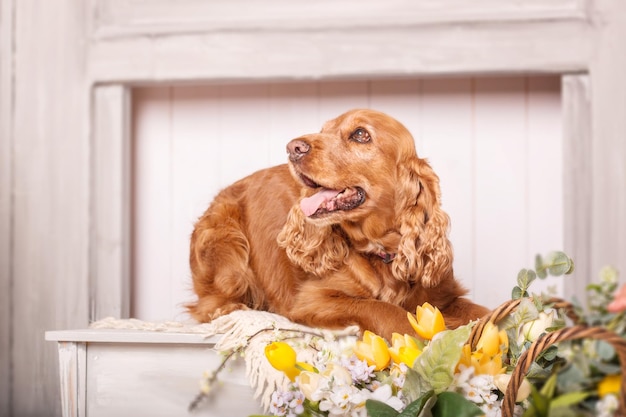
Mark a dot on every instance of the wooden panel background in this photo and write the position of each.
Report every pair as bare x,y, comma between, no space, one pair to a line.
495,142
6,215
55,55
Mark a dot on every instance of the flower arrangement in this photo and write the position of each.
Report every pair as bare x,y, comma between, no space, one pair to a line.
522,360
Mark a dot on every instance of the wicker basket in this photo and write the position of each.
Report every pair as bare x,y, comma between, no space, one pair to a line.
576,331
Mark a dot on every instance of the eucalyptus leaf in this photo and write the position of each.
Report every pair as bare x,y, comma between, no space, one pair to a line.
438,361
517,293
540,267
549,354
526,311
525,277
560,264
514,349
538,372
605,350
452,404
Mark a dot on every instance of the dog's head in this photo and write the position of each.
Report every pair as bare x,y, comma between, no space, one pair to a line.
362,172
350,168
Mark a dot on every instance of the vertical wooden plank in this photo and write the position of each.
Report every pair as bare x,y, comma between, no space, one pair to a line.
608,147
448,143
73,378
501,186
152,203
6,201
293,112
577,172
195,161
110,257
545,174
243,130
51,198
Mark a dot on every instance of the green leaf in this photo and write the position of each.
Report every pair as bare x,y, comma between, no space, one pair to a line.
555,264
540,267
604,350
568,399
453,404
549,387
517,293
549,354
437,363
560,264
526,311
525,277
377,408
539,404
415,385
415,408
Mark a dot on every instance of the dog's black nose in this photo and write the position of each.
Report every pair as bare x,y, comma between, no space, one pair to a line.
297,148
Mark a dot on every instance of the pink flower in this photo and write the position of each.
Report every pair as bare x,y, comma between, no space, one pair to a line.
619,301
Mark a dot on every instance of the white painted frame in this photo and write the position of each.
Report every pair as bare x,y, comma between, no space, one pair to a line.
66,72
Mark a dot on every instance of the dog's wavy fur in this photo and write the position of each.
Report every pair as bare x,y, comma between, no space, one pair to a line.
255,248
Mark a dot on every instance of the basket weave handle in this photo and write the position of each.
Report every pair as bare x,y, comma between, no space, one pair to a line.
568,333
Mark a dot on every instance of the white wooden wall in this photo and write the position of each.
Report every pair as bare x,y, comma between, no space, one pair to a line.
66,67
495,142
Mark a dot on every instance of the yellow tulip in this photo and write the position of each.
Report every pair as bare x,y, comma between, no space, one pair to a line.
427,322
492,340
404,349
487,358
488,365
373,349
282,357
611,384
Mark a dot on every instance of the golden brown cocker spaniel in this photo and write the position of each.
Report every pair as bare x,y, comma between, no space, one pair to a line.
351,231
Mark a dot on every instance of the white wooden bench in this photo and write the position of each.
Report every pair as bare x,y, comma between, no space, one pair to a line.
112,372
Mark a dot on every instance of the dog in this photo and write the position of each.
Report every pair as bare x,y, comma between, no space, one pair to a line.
349,232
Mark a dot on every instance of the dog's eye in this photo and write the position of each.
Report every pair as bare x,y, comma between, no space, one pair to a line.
360,135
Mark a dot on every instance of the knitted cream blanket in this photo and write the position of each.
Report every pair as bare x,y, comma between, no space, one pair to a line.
248,331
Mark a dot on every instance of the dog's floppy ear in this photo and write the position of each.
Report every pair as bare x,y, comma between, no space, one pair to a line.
425,253
316,249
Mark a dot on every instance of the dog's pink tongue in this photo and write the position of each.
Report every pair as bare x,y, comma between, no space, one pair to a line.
309,205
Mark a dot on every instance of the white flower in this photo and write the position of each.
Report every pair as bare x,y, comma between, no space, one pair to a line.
398,373
384,394
464,376
476,388
492,410
533,329
341,399
279,402
360,371
296,405
607,406
312,385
